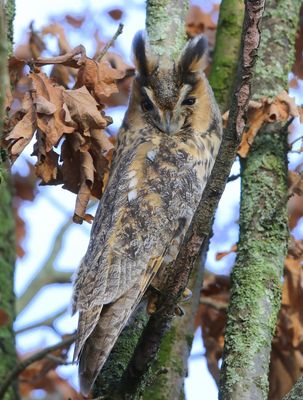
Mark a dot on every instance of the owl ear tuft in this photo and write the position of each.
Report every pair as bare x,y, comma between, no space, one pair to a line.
193,58
144,61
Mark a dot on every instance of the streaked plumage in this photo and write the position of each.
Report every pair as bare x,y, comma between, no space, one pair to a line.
166,148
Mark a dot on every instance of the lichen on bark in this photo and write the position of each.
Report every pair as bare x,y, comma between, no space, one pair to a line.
226,52
257,275
165,26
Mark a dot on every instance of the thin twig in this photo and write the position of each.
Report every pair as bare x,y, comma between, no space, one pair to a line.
47,274
49,322
30,360
233,178
110,43
74,58
295,141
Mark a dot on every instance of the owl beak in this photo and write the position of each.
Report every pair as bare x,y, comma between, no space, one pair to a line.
168,128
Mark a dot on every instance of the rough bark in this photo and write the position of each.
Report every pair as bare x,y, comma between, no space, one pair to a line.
256,277
7,226
226,53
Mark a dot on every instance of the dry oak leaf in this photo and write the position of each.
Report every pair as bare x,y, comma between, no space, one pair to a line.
266,111
99,78
295,183
222,254
49,107
57,30
76,22
21,134
198,21
84,110
292,297
116,14
4,317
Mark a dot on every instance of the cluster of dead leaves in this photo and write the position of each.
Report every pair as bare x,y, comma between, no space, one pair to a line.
72,147
287,348
197,21
42,374
267,110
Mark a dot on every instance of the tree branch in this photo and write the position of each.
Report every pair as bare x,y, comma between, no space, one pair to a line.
48,322
110,43
47,274
256,276
30,360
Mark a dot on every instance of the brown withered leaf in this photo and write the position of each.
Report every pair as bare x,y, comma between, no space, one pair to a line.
20,233
116,14
99,78
197,21
58,31
47,166
298,64
25,187
287,355
42,375
212,319
49,105
295,183
36,43
295,248
267,110
4,317
295,210
76,22
21,134
83,109
62,75
222,254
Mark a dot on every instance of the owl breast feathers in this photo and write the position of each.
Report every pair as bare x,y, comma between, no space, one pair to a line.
166,149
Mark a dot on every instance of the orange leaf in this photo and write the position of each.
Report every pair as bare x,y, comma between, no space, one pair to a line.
222,254
4,317
83,109
99,78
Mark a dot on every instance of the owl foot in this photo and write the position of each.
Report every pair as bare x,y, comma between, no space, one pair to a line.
187,294
151,307
179,312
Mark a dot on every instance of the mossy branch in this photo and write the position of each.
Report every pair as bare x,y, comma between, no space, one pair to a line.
256,277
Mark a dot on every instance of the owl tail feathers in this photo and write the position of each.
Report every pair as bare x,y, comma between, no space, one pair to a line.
87,322
99,344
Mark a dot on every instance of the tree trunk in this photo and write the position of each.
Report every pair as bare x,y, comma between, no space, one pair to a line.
256,277
7,225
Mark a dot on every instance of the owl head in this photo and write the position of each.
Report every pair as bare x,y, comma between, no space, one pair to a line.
169,94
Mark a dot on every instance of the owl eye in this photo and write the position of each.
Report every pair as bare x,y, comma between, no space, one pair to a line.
147,105
189,101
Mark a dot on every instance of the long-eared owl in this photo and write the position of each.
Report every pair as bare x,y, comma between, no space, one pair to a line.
165,152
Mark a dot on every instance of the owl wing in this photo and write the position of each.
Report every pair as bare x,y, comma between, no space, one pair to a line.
145,211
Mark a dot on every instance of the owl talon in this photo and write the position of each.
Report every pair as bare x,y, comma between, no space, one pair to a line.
179,312
187,294
151,307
